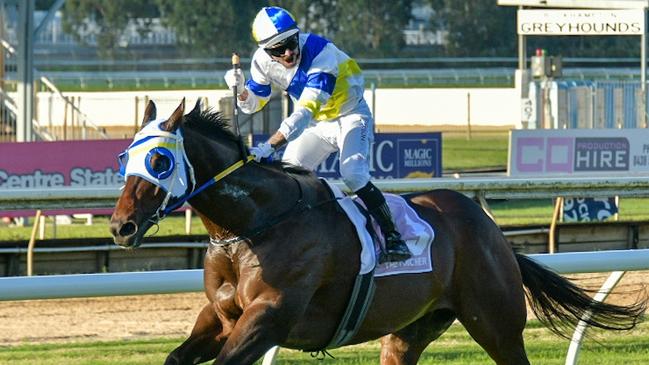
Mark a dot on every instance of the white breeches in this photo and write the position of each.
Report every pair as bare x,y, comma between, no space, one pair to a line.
350,135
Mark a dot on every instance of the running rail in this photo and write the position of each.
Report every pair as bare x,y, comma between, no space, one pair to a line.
180,281
486,188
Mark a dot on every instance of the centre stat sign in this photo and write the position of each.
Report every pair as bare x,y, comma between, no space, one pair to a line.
393,155
59,164
587,152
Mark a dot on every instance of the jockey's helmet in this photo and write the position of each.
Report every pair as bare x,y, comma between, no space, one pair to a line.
272,25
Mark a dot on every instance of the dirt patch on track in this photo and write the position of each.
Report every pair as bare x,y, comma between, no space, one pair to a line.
97,319
170,315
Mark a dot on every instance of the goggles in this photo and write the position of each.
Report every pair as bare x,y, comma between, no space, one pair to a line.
158,157
280,48
159,162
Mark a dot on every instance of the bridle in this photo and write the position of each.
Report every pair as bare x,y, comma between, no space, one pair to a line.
171,201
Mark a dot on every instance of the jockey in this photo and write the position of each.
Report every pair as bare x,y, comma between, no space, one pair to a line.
330,113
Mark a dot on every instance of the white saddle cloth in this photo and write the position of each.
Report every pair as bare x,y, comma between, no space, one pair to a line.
416,232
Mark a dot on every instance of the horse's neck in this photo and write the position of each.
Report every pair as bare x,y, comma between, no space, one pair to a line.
246,200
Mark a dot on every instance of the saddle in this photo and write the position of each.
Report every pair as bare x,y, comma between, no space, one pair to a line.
417,234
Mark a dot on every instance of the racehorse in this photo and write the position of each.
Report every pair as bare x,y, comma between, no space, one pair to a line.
283,257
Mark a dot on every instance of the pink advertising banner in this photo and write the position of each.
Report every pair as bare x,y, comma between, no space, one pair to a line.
60,164
579,152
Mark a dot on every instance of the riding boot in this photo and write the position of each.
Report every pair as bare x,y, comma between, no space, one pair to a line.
396,249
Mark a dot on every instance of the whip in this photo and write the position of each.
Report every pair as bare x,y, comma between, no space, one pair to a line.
236,66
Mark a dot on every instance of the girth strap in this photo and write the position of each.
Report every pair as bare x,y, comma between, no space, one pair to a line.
359,300
359,303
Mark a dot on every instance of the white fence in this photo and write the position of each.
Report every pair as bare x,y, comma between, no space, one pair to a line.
178,281
444,106
488,188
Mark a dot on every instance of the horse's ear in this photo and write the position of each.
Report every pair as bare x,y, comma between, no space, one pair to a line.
149,113
197,109
176,118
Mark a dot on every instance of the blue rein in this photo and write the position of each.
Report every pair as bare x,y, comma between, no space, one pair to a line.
178,202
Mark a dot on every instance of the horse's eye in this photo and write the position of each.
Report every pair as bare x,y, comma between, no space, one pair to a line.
160,163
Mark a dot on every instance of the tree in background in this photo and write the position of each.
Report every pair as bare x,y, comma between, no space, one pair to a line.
106,21
362,28
211,28
372,28
314,16
476,27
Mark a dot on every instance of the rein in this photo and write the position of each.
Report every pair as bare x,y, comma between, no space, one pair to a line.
300,206
190,194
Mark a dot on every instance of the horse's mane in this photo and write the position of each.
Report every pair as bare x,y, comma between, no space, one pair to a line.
209,122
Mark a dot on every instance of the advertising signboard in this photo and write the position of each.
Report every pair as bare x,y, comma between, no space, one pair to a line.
581,22
578,152
588,209
60,164
393,155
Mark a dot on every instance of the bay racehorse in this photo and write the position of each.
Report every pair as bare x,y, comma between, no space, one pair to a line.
284,258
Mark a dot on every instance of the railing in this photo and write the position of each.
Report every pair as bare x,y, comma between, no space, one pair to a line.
8,111
181,281
80,127
479,188
424,77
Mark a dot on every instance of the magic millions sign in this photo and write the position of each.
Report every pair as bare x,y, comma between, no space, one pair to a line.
393,155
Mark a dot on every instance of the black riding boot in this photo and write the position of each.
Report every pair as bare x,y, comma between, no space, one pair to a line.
396,249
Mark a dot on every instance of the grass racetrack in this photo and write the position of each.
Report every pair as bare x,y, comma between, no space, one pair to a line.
455,347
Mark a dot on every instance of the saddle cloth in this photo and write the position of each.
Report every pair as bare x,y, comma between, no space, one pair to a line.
416,232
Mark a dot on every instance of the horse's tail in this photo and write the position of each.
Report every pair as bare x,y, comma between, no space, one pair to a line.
559,304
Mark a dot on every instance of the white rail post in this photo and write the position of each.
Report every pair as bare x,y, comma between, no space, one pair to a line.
269,358
188,220
580,330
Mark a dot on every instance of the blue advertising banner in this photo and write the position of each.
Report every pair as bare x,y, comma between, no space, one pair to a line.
588,209
394,155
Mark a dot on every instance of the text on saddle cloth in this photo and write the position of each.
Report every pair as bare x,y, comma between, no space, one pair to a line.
416,232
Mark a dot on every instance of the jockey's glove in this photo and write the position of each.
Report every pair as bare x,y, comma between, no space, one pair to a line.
235,77
262,151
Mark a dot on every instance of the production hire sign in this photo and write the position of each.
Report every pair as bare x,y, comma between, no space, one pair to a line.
581,22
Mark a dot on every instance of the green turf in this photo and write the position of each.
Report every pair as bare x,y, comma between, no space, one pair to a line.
461,151
455,347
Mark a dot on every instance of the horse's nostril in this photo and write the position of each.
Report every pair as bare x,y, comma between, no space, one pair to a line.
127,229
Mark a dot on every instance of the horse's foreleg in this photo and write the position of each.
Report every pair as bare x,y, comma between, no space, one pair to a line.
260,327
203,343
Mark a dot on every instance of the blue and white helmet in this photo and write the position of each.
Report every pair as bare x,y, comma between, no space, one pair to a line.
272,25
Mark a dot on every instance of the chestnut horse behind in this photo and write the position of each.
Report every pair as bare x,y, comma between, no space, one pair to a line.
284,258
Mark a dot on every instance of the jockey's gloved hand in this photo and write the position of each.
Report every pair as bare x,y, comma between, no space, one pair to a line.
235,77
262,151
